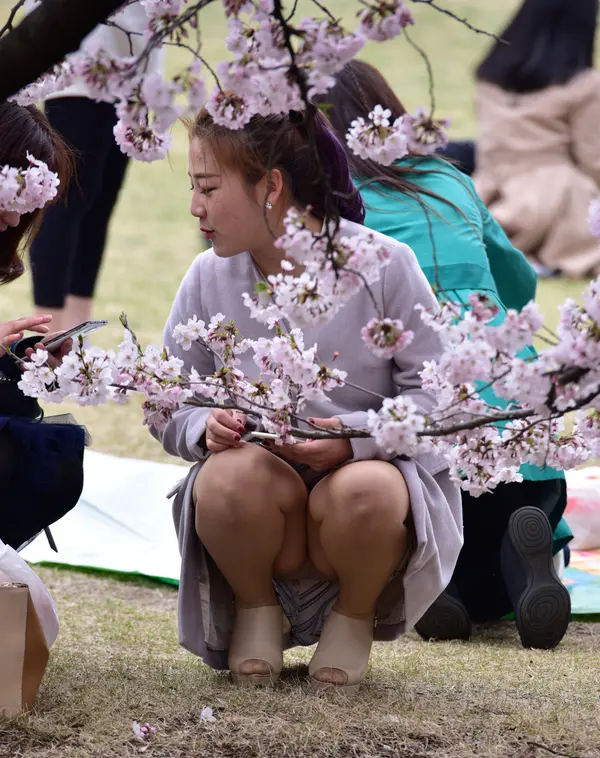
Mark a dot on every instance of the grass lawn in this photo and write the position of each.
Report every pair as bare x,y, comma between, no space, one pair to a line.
117,658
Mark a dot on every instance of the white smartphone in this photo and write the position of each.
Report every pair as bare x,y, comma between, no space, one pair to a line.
81,329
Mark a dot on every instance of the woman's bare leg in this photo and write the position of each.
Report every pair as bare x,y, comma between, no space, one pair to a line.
251,517
357,531
357,535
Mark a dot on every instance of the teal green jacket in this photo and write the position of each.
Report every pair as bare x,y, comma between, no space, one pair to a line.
471,254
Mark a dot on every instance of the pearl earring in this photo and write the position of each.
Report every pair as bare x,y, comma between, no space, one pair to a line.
269,205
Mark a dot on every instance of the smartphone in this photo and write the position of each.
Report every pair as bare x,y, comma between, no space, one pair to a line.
81,329
263,435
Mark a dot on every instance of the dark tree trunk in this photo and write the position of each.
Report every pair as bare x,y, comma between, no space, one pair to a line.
51,31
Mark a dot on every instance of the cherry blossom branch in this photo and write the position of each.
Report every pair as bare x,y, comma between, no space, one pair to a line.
130,35
425,57
460,20
344,433
522,413
8,26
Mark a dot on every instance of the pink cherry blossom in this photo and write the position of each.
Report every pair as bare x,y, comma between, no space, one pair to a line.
424,134
384,19
386,337
27,190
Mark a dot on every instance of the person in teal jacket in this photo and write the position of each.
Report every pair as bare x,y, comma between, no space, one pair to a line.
510,534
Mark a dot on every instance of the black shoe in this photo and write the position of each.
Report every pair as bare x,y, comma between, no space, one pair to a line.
446,619
541,602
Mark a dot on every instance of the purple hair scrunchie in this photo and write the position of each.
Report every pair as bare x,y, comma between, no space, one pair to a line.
335,163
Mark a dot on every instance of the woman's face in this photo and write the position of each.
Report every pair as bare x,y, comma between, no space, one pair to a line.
9,218
230,213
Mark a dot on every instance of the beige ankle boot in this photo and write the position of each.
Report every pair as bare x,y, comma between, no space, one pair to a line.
341,659
256,649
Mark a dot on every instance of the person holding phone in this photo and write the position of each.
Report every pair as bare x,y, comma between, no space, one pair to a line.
53,452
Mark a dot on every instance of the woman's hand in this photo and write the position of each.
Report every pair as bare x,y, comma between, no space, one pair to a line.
11,331
55,357
224,429
320,455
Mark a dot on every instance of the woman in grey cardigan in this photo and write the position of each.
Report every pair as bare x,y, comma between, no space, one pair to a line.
328,541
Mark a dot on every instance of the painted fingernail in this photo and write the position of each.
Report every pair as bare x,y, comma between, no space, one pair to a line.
237,437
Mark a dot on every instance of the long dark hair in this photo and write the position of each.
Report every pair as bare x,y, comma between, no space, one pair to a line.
26,130
302,146
359,87
547,42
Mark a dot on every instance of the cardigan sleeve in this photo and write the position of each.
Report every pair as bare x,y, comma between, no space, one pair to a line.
182,436
404,286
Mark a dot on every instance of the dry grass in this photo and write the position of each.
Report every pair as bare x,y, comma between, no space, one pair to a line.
118,659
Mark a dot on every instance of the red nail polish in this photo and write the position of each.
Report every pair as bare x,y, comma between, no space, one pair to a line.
237,437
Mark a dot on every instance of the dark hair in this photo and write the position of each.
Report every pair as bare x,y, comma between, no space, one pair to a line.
301,145
26,130
547,42
359,87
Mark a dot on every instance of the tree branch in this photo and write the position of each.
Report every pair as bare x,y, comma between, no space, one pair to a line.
8,26
460,20
49,33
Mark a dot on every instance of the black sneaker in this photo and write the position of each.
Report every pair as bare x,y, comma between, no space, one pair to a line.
446,619
541,602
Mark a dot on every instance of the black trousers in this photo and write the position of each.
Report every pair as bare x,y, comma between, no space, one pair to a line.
477,575
67,252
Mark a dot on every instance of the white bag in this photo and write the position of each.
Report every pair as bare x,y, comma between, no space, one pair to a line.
13,569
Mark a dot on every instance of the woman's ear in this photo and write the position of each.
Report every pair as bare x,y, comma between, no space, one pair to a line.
271,188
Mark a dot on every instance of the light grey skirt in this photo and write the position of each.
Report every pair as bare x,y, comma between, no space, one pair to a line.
206,603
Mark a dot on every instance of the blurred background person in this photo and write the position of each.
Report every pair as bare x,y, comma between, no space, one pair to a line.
431,206
67,253
538,148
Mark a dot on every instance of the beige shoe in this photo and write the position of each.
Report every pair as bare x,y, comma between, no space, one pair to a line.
341,659
256,649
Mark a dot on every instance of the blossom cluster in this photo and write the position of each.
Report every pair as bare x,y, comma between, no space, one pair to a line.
532,391
381,20
384,141
288,375
257,80
484,442
276,66
335,267
27,190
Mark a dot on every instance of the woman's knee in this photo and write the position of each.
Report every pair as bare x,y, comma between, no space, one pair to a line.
368,496
245,481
